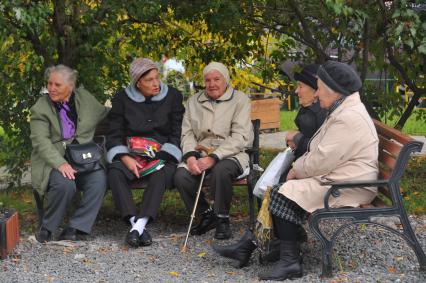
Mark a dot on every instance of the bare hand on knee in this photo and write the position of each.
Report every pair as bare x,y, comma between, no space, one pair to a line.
206,163
67,171
192,164
131,164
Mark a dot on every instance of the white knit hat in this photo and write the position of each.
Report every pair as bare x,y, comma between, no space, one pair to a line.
218,67
139,67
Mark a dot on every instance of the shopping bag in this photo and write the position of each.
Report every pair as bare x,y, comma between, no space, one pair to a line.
264,226
273,172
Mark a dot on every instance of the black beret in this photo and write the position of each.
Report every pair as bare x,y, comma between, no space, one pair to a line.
308,75
340,77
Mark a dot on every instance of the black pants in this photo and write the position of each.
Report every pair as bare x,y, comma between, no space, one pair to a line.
219,178
119,178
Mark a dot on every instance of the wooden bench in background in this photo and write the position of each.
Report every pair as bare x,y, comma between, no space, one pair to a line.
395,149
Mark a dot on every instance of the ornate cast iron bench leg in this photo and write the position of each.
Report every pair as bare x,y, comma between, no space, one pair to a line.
326,245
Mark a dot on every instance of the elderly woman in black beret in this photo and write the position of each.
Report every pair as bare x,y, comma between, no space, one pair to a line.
147,113
344,148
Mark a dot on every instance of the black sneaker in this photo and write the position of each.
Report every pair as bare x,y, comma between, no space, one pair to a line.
223,230
43,235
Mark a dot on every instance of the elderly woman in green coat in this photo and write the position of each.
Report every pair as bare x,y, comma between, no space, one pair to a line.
65,115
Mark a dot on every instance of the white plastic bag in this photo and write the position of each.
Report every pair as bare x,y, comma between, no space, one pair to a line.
273,172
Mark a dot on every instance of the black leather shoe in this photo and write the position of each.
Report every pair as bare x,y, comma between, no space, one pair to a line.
132,238
208,222
43,235
223,231
70,234
145,239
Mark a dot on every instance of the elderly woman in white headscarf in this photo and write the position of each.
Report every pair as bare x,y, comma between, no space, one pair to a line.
217,118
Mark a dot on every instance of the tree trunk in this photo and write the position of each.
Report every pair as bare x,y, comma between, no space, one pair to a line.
410,107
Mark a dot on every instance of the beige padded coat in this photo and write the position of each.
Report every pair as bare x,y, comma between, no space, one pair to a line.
224,125
345,148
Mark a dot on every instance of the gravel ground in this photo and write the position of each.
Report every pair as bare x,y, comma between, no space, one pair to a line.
362,254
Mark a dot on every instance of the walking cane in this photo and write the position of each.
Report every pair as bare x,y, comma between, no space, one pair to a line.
184,247
208,151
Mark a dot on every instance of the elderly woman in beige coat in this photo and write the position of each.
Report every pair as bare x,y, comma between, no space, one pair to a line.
217,119
344,148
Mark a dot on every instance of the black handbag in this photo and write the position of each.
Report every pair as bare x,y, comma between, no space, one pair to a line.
84,157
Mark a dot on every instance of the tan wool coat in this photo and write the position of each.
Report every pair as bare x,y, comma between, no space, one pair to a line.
223,125
345,148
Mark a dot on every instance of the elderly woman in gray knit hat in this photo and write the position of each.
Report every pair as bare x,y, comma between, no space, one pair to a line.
218,119
344,148
143,142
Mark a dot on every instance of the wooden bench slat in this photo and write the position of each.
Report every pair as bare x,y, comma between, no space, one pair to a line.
389,145
385,173
387,159
391,133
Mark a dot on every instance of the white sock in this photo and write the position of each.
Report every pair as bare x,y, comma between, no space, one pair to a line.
132,221
140,225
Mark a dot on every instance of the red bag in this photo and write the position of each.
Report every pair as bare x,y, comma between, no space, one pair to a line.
144,150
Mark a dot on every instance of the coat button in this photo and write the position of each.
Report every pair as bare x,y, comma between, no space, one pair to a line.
208,130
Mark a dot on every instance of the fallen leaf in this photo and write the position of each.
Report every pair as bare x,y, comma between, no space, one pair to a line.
67,250
174,273
209,242
202,254
399,258
232,273
392,269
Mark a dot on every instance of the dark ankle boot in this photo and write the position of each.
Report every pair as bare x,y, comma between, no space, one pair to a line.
240,251
288,266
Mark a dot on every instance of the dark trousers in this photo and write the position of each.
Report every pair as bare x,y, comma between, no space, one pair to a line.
61,192
219,178
119,179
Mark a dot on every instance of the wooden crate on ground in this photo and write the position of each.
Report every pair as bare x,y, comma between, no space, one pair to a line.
267,111
9,231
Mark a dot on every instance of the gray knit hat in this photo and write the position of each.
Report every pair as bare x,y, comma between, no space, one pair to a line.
340,77
139,67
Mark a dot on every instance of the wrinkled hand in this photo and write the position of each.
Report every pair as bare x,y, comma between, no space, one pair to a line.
192,164
131,164
289,139
291,175
206,163
67,171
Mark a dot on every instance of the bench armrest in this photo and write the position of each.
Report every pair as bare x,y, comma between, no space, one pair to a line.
336,186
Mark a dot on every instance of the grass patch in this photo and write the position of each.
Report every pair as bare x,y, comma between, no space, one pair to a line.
287,120
413,184
411,127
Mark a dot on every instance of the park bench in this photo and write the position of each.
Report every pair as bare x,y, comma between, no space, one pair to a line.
249,180
395,149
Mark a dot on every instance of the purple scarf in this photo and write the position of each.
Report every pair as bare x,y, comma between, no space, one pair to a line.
68,126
